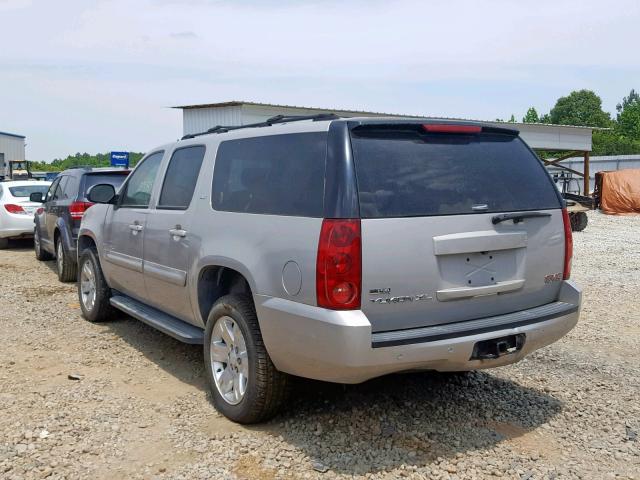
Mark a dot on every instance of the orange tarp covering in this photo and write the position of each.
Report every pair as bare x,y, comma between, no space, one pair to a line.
620,191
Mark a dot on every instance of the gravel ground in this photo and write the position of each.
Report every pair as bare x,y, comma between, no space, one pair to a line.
120,400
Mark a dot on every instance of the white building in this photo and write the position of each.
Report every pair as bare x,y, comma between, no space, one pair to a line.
11,148
199,118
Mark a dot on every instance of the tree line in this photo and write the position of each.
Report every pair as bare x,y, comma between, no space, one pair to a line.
81,160
584,108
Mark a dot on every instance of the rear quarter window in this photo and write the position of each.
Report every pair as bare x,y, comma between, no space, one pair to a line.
406,173
275,175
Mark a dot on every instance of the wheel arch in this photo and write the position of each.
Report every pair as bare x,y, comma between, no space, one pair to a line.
219,277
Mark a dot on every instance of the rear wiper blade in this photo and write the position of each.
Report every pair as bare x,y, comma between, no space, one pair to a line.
517,217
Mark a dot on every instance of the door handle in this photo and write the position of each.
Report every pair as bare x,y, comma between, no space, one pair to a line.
135,227
177,232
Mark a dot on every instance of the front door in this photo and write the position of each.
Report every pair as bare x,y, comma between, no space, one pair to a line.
168,241
125,229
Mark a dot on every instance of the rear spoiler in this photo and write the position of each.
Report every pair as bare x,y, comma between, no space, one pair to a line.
421,126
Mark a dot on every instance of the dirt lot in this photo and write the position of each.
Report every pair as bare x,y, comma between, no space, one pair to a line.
139,408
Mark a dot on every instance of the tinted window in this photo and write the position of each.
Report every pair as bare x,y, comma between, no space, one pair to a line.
113,178
26,190
57,194
413,174
181,177
138,189
278,175
70,189
52,189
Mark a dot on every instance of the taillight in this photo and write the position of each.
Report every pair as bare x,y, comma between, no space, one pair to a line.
13,208
77,209
339,265
450,128
568,244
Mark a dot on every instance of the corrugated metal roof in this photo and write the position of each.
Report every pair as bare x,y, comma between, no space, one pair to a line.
12,135
237,103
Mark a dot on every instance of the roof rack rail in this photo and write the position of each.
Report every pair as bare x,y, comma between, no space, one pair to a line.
267,123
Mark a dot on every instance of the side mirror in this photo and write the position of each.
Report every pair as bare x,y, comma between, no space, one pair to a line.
102,193
36,197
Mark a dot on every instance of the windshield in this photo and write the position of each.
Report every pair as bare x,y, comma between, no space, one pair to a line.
403,173
27,190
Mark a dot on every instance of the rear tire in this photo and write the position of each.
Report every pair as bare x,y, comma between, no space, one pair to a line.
4,243
91,280
65,265
41,254
262,388
579,221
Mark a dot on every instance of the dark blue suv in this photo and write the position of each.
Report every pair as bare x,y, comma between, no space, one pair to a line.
58,220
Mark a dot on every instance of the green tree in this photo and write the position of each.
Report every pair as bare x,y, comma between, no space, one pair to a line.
81,159
628,124
512,119
609,142
582,107
531,116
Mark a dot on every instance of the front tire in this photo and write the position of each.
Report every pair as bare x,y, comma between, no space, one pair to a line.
41,254
4,243
245,385
93,291
65,265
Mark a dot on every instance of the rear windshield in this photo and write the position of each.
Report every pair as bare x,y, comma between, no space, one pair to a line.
27,190
114,178
402,173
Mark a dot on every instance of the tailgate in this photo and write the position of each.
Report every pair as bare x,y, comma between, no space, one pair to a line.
432,252
445,269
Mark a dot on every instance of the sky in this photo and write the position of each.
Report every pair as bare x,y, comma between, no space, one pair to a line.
100,75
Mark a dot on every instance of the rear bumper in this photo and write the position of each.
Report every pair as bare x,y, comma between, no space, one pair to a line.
339,347
14,226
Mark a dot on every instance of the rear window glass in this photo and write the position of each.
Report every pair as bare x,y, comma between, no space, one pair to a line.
276,175
116,179
27,190
409,173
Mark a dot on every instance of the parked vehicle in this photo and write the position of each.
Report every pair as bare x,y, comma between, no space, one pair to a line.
334,249
577,204
57,221
16,210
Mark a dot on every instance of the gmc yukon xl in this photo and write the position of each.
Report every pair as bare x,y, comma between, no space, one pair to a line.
334,249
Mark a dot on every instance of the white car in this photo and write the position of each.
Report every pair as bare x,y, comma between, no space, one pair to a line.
16,210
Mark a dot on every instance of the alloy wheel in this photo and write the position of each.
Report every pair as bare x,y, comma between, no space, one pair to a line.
88,286
60,257
229,360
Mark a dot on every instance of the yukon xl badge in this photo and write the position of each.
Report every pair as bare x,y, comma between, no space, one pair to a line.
398,299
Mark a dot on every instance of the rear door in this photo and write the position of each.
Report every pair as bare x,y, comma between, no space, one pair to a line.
432,252
168,235
124,229
52,209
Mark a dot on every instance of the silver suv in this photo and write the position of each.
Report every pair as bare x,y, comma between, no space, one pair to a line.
334,249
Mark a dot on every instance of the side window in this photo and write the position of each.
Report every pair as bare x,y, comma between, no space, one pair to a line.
274,175
57,194
70,189
52,188
137,191
181,178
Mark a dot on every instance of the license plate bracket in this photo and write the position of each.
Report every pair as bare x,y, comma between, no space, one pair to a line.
498,347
